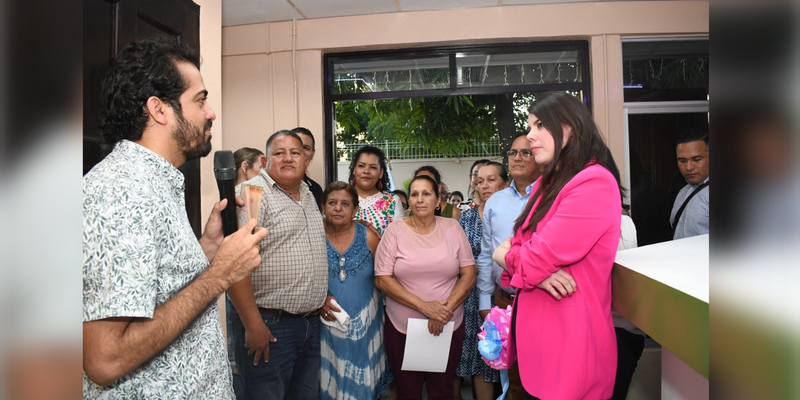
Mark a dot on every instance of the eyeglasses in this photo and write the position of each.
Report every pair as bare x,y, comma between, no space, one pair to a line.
523,153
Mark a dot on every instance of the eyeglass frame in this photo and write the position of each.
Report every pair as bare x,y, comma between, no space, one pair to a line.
522,153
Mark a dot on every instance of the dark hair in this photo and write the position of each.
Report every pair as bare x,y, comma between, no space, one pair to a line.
615,171
457,193
398,191
501,169
339,185
585,146
429,168
691,135
281,133
484,161
143,69
517,135
384,180
481,161
303,131
248,154
429,180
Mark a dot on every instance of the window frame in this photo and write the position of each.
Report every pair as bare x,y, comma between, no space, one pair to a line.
329,60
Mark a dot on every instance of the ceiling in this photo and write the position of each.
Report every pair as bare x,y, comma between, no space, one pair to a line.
242,12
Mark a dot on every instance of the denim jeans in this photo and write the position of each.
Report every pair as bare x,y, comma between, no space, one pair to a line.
293,368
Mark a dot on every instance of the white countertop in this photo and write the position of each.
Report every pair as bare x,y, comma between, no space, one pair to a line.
681,264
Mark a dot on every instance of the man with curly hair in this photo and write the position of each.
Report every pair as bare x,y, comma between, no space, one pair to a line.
151,327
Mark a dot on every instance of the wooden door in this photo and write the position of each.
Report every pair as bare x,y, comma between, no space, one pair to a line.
109,26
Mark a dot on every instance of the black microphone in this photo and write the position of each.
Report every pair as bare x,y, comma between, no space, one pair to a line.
225,172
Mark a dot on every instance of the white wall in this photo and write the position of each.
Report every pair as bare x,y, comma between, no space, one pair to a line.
258,73
211,69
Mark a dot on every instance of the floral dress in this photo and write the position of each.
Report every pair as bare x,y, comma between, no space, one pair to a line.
471,362
379,210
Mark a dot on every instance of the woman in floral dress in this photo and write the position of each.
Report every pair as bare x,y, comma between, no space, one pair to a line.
377,205
492,177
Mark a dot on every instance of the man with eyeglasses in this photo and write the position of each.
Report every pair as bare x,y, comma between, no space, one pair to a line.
499,215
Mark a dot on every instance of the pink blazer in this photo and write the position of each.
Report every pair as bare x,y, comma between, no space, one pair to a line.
567,349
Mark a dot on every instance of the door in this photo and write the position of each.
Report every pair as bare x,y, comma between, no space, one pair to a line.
651,130
109,25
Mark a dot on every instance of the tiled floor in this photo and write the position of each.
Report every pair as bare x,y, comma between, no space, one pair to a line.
646,384
466,392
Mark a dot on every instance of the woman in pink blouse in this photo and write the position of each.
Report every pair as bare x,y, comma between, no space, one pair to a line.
425,266
561,255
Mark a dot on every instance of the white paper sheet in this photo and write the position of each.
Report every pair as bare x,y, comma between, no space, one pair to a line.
425,352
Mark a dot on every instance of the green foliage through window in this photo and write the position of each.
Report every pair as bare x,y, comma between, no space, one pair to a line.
447,125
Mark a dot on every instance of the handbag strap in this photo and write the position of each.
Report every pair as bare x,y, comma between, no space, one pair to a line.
683,206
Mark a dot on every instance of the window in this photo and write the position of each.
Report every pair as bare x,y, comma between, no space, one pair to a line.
462,101
666,92
665,70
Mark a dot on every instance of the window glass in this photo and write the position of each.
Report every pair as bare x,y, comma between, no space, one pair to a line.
391,75
476,70
665,70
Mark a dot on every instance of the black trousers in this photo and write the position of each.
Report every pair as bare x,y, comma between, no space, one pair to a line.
629,350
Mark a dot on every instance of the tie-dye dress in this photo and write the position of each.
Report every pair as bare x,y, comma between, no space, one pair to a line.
353,364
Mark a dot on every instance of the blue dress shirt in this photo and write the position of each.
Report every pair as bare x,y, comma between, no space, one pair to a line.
499,215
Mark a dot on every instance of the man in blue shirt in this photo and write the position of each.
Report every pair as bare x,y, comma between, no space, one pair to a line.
689,216
499,215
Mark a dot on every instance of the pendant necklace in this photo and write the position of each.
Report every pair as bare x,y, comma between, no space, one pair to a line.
342,273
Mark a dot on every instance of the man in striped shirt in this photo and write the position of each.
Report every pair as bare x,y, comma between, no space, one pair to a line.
275,324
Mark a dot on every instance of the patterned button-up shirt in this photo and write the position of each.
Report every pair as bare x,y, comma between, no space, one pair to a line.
293,275
139,251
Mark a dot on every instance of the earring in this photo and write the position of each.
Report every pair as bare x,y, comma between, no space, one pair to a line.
380,185
354,181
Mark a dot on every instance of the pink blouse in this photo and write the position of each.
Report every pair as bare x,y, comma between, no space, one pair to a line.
426,265
567,349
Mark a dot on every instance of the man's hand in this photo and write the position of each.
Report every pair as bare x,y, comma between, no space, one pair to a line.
437,311
559,284
484,313
239,255
257,341
213,236
113,347
499,255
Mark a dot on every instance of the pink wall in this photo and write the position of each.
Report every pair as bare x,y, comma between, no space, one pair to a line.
211,68
258,77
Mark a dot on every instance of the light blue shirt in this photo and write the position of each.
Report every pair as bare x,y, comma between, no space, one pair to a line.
694,220
499,216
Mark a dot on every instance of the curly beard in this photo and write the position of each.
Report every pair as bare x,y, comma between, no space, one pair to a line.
191,140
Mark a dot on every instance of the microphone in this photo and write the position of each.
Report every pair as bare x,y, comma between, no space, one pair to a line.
225,172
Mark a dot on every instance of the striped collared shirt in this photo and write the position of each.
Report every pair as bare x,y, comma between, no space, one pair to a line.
293,275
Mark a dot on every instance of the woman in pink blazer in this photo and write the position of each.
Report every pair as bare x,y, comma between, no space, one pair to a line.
561,255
